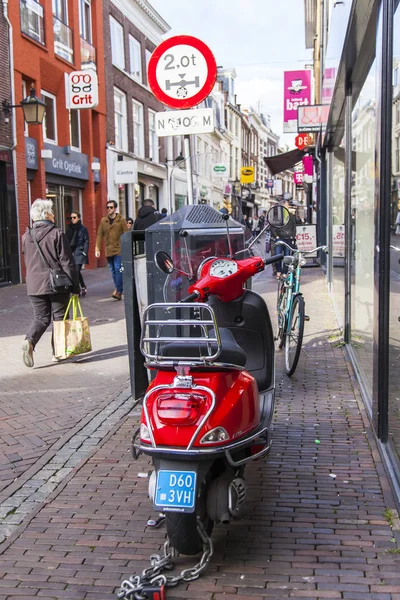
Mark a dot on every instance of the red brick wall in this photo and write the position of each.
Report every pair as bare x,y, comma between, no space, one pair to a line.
39,64
5,84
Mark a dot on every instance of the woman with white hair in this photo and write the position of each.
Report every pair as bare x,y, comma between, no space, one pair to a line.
45,246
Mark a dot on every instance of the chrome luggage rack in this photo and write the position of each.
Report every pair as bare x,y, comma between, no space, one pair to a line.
168,323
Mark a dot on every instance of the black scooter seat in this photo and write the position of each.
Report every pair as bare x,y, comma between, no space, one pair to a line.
231,352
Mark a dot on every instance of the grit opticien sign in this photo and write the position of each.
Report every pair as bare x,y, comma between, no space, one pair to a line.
82,89
182,71
296,92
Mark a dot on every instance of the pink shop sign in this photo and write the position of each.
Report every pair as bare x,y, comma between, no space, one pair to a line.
296,92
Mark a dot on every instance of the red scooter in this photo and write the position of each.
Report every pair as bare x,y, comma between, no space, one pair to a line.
208,410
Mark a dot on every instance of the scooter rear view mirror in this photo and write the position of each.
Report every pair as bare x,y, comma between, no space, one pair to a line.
164,262
278,216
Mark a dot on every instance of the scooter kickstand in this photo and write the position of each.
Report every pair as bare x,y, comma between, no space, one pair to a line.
156,522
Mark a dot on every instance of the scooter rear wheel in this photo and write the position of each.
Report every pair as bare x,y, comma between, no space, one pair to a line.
183,534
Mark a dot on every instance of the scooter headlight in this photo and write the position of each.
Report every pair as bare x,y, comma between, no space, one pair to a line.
214,436
144,433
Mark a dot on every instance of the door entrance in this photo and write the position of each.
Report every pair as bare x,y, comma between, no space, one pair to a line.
66,199
5,270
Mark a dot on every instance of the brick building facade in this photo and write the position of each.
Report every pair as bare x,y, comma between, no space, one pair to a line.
132,30
55,160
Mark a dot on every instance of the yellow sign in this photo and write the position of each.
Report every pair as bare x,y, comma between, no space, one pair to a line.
247,175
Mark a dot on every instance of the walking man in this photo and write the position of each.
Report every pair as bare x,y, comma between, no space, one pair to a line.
111,228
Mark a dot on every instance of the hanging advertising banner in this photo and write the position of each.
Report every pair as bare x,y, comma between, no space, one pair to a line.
296,92
306,238
312,118
338,241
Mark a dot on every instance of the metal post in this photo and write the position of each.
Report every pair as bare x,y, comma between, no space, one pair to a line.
186,143
169,188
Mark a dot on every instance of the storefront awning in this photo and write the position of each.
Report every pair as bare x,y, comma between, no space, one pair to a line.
286,160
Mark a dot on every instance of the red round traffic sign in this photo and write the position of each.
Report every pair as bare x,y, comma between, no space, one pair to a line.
303,140
182,71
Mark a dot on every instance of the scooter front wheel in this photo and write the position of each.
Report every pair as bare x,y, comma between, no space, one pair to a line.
183,534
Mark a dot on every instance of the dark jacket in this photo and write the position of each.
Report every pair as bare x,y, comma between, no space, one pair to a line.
288,232
78,237
147,216
56,249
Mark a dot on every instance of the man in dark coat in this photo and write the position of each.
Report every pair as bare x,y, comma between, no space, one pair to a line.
147,215
78,237
57,252
288,235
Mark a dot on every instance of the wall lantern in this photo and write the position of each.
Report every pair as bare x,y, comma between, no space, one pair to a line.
32,107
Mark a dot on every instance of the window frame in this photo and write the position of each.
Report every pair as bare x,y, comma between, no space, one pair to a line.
82,21
153,138
135,45
58,13
78,114
52,97
116,26
124,125
141,153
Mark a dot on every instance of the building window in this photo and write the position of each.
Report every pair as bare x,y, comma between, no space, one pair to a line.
50,118
85,20
397,168
138,129
120,120
154,154
135,58
32,20
60,10
75,129
24,95
148,55
117,44
395,76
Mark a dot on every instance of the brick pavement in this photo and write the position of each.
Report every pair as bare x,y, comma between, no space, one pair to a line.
41,408
316,522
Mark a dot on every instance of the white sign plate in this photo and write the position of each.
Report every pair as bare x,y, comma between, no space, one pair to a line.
220,170
82,89
306,238
338,241
182,122
125,171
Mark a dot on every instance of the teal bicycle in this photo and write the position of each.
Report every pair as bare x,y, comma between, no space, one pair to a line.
291,306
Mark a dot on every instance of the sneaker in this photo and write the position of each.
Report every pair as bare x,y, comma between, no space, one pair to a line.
83,292
55,359
117,295
27,353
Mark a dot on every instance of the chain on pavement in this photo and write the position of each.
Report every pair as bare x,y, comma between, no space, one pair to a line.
151,581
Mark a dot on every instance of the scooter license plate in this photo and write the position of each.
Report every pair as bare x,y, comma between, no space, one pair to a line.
176,491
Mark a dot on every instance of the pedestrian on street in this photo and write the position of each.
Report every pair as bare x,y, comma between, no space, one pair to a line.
164,212
111,228
57,252
147,215
78,237
286,234
129,222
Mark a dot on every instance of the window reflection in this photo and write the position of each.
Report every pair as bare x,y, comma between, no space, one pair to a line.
338,231
362,227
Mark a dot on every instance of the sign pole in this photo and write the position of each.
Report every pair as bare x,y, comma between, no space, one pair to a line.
186,145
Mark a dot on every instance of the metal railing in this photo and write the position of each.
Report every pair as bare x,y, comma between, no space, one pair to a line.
32,20
88,55
63,43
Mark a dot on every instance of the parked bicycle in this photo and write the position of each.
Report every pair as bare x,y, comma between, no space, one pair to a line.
291,306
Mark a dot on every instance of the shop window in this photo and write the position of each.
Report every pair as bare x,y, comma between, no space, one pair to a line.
85,20
120,120
60,10
153,138
138,129
50,118
135,58
75,129
117,43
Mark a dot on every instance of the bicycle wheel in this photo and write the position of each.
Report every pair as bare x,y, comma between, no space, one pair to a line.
294,337
281,308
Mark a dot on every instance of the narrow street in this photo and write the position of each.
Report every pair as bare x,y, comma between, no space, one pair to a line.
319,521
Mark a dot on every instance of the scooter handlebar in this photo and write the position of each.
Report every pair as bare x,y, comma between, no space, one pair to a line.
273,259
191,298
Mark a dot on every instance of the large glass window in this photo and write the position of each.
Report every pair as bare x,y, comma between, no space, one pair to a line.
338,231
49,120
135,57
85,20
138,129
32,19
363,227
60,10
117,43
394,312
120,120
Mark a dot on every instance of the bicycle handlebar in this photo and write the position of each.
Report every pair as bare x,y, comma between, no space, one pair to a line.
295,251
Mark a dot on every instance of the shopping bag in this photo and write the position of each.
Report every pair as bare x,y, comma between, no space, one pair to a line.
71,336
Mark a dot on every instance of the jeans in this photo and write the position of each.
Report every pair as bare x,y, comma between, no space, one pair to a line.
43,307
281,249
114,262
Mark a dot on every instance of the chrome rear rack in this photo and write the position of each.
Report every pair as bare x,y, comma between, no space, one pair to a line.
184,323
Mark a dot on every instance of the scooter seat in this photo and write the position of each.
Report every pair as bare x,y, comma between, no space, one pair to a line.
231,352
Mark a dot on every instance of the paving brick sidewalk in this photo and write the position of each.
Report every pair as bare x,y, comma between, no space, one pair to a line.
316,522
41,408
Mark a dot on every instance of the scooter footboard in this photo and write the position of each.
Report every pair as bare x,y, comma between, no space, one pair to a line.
175,485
